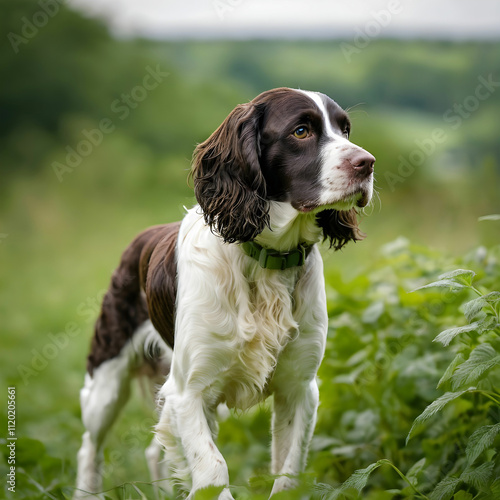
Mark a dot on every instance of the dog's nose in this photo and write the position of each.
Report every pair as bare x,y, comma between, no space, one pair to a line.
362,162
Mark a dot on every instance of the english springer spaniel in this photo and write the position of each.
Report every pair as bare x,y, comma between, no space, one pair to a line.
228,306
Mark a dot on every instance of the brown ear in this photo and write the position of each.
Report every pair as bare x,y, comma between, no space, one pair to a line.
228,181
340,227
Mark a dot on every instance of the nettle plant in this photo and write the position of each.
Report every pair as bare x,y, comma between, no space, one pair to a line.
474,371
461,426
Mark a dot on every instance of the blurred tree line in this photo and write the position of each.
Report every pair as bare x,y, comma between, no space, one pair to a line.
64,76
69,66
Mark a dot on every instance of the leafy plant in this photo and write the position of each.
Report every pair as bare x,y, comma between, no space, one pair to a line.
473,371
459,455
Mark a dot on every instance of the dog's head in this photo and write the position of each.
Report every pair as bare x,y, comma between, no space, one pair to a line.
290,146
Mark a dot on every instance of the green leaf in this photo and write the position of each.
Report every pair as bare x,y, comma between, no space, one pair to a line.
360,477
495,488
492,297
457,279
478,477
480,326
445,489
445,283
481,359
462,276
488,323
489,217
414,471
356,481
325,491
462,495
481,440
472,308
446,336
457,360
435,407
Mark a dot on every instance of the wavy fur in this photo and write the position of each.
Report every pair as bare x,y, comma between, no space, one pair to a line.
228,181
340,227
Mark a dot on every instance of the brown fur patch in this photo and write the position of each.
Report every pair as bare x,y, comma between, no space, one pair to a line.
124,307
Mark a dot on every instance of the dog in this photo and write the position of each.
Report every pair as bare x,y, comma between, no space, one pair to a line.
229,305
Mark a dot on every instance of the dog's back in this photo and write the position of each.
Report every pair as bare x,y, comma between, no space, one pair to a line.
124,306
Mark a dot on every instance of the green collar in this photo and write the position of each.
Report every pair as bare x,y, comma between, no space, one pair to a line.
272,259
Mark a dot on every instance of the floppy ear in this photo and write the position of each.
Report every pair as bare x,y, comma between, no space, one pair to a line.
340,227
228,182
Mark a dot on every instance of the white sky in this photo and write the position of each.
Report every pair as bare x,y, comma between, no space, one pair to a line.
297,18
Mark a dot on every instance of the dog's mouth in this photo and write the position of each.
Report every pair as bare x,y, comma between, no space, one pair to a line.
359,199
364,199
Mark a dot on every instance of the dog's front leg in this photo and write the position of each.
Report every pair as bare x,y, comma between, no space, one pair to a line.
208,467
206,464
294,418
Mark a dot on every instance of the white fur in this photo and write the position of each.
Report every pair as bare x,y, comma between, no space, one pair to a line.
326,120
339,191
243,333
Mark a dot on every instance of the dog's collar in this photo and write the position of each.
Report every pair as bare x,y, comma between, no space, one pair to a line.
273,259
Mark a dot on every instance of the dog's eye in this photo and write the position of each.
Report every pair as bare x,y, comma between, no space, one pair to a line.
345,133
301,132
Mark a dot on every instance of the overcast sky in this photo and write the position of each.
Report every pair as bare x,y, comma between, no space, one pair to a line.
455,19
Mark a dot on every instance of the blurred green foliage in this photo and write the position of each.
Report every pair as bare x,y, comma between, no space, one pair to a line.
62,231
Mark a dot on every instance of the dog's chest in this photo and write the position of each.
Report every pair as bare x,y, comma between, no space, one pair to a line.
264,324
